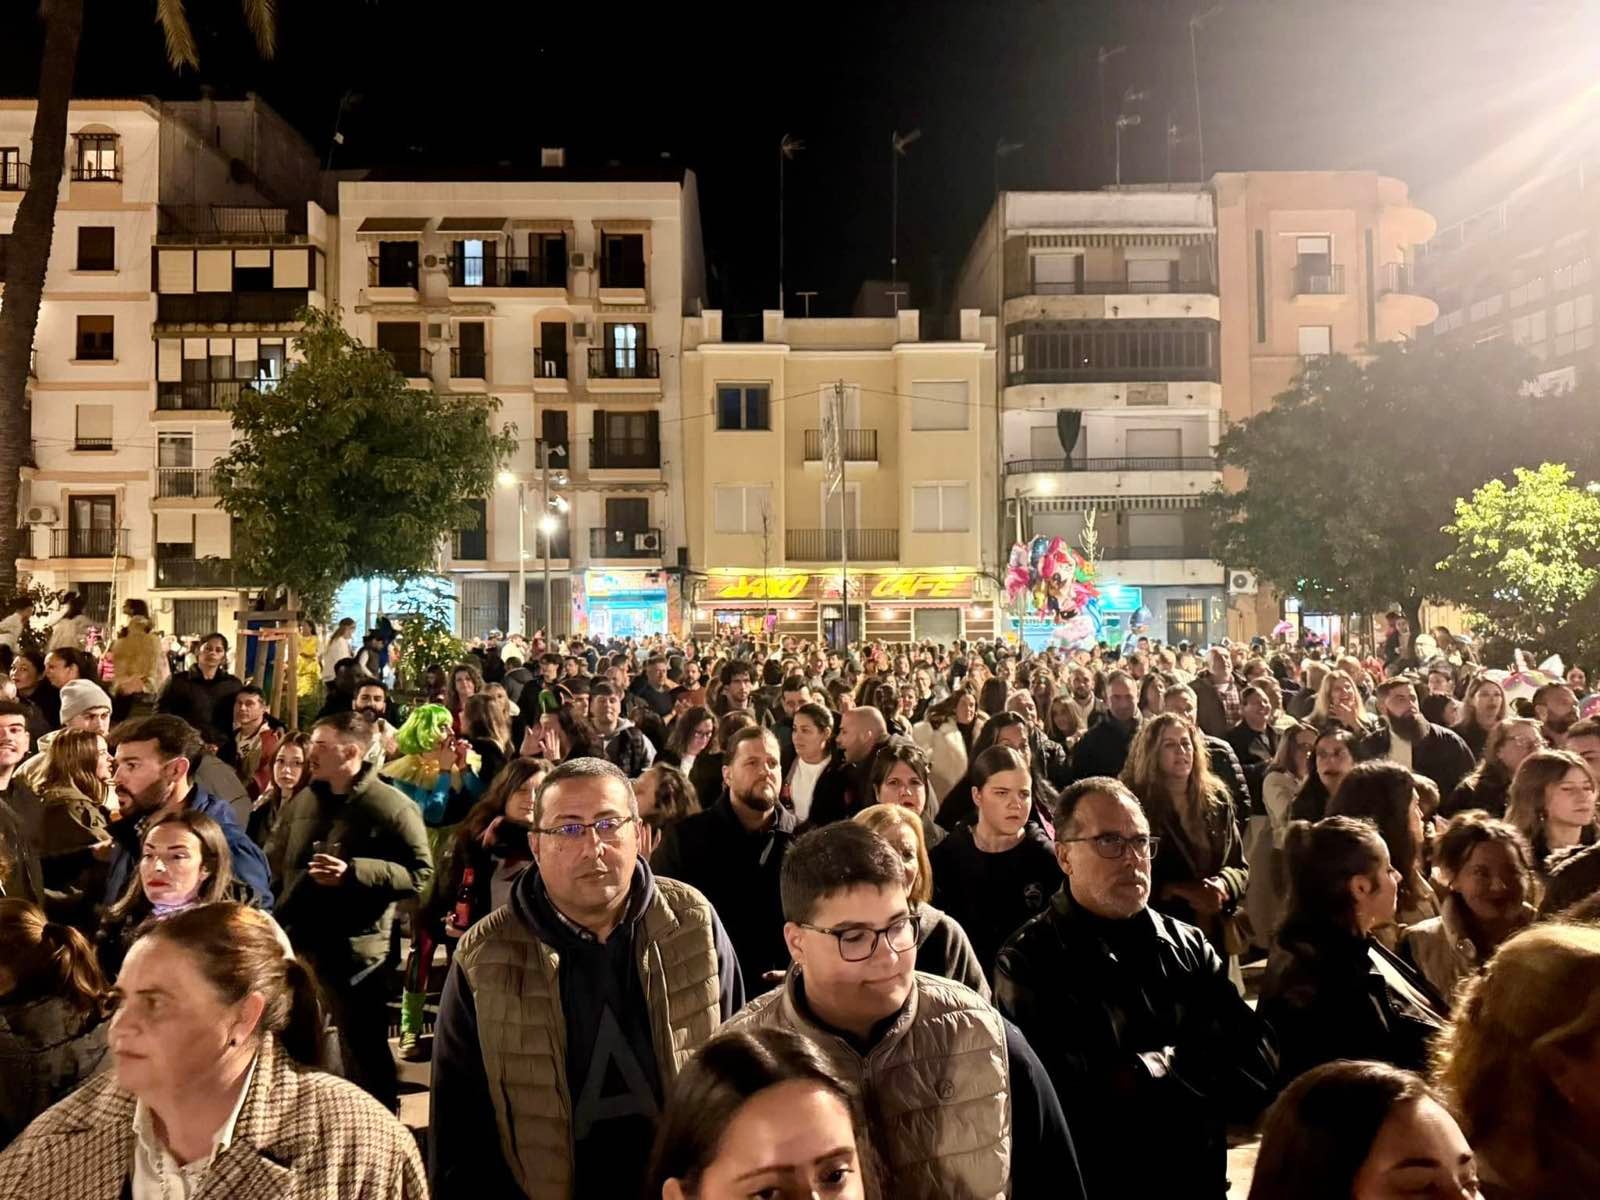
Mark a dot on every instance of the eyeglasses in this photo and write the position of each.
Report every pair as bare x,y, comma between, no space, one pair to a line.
1114,845
607,829
857,944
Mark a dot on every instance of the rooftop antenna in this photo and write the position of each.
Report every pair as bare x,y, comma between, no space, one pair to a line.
897,145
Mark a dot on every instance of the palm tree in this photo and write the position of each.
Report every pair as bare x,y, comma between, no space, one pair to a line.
28,249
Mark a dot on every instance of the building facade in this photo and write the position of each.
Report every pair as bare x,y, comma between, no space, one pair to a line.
563,295
186,237
897,550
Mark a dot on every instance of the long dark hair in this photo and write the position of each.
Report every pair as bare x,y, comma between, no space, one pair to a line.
1383,793
45,958
1311,801
725,1073
1320,1131
133,905
683,728
1323,858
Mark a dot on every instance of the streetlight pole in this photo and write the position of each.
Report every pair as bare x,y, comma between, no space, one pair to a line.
1195,22
522,558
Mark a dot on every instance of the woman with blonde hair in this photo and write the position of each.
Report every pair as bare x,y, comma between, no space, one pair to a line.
1486,707
1489,784
1339,703
943,947
1201,876
1553,804
1516,1065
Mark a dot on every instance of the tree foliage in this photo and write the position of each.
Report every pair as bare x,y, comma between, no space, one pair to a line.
1353,473
1526,556
343,471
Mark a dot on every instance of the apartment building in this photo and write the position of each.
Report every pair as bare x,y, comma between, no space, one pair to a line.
562,293
1138,323
186,237
897,551
1522,269
1111,389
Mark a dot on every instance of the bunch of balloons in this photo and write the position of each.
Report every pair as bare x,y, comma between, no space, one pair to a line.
1049,579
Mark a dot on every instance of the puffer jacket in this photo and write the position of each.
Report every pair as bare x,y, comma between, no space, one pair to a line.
936,1083
1443,950
47,1048
947,758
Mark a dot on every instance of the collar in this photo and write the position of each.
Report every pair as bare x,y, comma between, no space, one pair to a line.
799,1015
153,1157
785,823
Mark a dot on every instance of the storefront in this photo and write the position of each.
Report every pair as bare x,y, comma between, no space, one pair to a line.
887,606
626,604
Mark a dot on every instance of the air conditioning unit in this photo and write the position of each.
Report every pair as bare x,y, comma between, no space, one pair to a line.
41,514
436,331
648,542
1241,583
578,260
430,260
580,331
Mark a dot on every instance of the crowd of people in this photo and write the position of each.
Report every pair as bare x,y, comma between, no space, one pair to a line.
702,920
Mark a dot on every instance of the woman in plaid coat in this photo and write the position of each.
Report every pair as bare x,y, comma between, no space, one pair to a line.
214,1094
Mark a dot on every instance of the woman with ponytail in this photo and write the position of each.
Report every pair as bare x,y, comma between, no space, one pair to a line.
214,1087
53,1006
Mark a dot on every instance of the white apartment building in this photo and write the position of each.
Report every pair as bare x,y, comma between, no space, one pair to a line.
185,239
562,293
1110,385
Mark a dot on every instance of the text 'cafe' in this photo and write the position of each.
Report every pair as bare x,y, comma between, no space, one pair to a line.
889,606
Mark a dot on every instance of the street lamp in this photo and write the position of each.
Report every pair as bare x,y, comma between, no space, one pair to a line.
547,526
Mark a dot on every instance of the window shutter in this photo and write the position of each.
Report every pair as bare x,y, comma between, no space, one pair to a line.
94,421
175,272
291,268
214,271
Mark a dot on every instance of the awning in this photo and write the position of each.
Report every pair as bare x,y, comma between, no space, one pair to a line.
377,228
496,225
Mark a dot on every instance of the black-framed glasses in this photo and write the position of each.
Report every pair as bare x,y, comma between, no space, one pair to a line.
1114,845
608,829
858,943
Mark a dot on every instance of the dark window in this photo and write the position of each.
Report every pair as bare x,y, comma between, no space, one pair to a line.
1129,349
472,539
1186,622
622,261
96,599
95,338
470,356
743,406
396,265
252,279
97,248
552,354
627,513
626,439
13,175
193,618
402,341
553,433
552,254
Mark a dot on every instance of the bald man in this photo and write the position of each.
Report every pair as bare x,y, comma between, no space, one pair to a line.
845,786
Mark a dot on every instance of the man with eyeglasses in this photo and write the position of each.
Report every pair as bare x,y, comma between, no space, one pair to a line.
958,1103
568,1013
1148,1043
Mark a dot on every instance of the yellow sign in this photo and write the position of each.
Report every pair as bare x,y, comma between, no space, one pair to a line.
756,587
910,585
890,585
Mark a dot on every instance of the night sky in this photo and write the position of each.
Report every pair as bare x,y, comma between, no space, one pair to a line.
1458,97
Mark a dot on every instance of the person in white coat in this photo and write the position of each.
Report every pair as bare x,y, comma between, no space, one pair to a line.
940,737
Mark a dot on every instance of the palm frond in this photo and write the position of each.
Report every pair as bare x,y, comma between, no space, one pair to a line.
174,22
262,17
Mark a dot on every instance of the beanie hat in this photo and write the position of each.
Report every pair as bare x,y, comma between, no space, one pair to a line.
80,696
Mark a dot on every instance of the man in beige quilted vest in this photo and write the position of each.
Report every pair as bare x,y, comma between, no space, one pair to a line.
957,1103
568,1012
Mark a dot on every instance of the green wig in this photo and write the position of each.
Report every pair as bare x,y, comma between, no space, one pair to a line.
426,727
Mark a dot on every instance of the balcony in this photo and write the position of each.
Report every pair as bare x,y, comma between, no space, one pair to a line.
468,364
244,224
1095,373
79,543
856,445
414,362
276,308
1118,287
625,543
468,271
824,545
186,483
1152,553
616,363
1316,278
13,176
1025,466
624,454
1401,306
96,173
206,395
390,274
201,573
549,364
96,444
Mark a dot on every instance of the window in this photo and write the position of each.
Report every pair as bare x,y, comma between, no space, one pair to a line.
1152,274
12,177
940,404
97,156
472,539
1315,340
402,341
395,265
626,439
1186,622
95,339
175,450
1161,531
97,248
1057,273
485,605
737,508
470,359
1136,349
1529,331
940,508
623,343
469,260
1528,293
1574,320
622,260
1485,308
744,406
1573,274
93,427
193,618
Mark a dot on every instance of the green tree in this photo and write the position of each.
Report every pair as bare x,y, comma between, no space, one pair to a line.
1526,556
28,250
1352,474
344,471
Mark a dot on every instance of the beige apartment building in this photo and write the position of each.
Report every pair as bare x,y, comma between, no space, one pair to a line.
898,550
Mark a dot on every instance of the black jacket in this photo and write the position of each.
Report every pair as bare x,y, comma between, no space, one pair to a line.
1488,787
992,894
1439,754
1104,749
1226,767
1255,753
738,872
1329,994
1144,1038
842,791
1573,874
207,704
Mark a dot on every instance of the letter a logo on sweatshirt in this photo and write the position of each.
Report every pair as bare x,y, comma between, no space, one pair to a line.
615,1085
